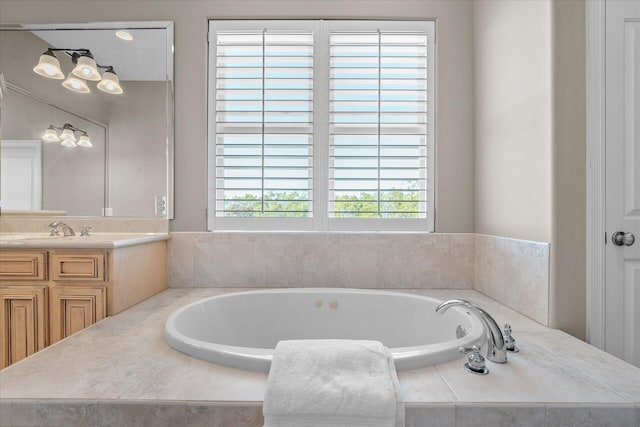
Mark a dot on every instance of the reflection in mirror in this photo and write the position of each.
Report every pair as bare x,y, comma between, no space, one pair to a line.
125,168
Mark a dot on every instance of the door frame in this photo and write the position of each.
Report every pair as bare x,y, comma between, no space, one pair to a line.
596,190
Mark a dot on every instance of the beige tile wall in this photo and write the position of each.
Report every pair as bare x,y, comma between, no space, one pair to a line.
514,272
359,260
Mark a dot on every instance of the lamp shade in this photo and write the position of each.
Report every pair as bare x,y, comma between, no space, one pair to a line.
68,135
76,84
84,141
50,135
86,68
49,66
110,83
68,143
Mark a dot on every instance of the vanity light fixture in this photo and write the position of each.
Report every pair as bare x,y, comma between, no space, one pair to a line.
85,68
67,136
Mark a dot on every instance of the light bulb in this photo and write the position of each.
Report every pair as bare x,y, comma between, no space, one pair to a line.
68,143
50,135
110,83
76,84
49,66
86,68
68,135
84,141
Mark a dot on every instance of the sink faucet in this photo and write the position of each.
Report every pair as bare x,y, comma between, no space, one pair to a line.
496,349
66,230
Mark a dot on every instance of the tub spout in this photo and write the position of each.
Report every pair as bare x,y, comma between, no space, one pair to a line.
496,349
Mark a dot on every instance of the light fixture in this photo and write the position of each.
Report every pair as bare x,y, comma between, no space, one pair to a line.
84,141
110,82
49,66
67,136
124,35
85,68
50,135
76,84
67,133
68,143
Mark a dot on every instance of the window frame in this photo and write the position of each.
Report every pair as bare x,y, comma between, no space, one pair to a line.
319,220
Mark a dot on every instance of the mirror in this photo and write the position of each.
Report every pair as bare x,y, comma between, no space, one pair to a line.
128,169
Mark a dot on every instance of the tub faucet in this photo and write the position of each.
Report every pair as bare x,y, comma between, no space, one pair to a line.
66,230
496,349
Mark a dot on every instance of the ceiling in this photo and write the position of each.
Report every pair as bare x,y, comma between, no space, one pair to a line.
145,58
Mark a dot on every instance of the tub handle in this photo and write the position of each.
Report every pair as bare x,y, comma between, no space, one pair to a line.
475,361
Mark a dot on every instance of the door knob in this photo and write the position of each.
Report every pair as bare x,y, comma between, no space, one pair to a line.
620,238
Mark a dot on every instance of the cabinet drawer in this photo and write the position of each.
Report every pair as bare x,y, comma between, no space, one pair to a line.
22,266
69,267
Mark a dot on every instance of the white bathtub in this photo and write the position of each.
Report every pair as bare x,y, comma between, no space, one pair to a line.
241,330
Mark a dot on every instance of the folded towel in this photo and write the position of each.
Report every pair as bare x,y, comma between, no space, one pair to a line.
332,383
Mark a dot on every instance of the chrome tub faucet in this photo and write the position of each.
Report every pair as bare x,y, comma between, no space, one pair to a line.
496,348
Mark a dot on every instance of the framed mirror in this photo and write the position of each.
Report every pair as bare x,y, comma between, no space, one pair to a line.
86,119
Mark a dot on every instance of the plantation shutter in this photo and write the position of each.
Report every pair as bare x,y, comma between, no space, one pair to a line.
263,123
378,124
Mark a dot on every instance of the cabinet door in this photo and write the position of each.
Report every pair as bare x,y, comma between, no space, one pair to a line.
73,308
23,322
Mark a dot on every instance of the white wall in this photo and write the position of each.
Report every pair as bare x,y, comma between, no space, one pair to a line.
454,124
530,137
512,46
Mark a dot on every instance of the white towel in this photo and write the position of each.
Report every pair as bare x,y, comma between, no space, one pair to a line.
332,383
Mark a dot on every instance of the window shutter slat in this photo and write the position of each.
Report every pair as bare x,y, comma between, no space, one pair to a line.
264,123
378,125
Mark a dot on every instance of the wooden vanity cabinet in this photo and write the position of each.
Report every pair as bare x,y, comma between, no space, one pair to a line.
77,291
23,304
47,295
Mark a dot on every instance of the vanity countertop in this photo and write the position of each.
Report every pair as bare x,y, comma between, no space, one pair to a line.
93,241
120,371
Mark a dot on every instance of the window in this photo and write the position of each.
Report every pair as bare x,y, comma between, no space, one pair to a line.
321,125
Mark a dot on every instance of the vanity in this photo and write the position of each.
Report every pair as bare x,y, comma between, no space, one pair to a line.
54,286
119,178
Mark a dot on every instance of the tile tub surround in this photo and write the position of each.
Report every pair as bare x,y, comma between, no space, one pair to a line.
120,372
40,224
514,272
317,259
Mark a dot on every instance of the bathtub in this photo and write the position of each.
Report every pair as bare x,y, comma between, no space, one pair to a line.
241,330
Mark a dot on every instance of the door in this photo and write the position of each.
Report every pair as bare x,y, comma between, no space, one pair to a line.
23,313
74,308
21,175
622,140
